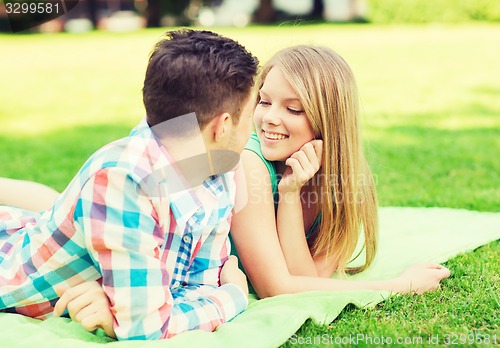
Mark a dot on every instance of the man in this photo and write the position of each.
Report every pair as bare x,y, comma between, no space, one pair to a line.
134,218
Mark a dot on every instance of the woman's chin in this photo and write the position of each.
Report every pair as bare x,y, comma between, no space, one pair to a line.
272,156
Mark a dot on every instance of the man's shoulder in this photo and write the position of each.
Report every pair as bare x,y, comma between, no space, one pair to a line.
135,153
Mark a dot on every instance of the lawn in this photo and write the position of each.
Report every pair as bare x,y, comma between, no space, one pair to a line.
431,124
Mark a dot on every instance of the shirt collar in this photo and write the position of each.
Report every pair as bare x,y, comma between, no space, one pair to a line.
208,195
185,203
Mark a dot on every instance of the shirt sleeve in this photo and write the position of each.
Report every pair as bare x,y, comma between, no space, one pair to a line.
125,240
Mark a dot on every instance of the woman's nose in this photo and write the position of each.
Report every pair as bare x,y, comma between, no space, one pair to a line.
271,116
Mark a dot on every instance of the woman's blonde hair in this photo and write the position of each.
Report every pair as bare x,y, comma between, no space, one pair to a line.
344,184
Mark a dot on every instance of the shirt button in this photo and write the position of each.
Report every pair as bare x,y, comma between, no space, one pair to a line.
186,239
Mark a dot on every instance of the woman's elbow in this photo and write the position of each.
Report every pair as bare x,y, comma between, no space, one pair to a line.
274,287
267,292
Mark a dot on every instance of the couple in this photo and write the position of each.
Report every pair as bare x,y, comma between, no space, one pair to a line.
147,261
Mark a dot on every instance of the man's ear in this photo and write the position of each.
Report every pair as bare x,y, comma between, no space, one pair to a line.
221,126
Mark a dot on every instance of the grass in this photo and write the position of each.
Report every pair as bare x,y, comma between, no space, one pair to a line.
465,312
430,122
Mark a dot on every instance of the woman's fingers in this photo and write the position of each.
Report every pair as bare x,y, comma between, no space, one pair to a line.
444,272
318,148
303,164
308,161
297,170
313,151
302,159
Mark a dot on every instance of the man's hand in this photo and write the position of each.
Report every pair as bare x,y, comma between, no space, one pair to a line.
87,304
231,274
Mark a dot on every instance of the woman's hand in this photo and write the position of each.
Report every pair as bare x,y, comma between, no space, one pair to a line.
420,278
87,304
302,165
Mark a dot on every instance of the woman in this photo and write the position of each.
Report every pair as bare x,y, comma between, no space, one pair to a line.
309,191
306,121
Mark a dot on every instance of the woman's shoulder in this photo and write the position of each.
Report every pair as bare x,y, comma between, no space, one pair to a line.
253,145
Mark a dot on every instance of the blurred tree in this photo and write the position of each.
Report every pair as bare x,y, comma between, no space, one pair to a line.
318,9
92,9
153,13
156,9
265,13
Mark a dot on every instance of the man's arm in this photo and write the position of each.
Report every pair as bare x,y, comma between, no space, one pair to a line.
125,239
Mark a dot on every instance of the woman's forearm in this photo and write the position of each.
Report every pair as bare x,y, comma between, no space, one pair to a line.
418,278
290,226
298,284
28,195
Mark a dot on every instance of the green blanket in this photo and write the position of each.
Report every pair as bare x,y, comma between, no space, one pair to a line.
407,235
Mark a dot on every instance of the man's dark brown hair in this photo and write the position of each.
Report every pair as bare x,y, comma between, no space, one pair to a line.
197,71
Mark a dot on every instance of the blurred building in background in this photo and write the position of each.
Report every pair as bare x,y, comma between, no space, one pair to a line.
129,15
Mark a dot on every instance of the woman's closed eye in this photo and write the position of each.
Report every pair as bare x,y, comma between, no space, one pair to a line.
295,112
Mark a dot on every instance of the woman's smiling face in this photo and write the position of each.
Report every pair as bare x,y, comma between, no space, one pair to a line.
280,121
